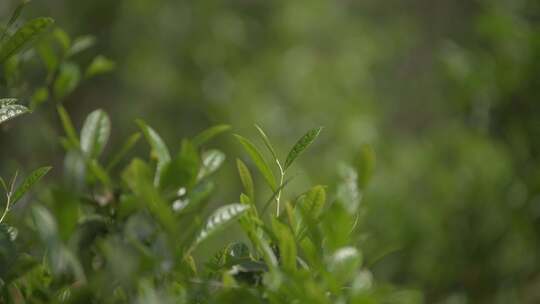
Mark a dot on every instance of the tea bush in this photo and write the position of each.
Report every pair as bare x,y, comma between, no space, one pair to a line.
122,228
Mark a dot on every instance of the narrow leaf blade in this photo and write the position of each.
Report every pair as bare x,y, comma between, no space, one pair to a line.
302,144
23,36
259,161
27,184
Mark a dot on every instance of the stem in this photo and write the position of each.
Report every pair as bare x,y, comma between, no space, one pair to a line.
278,196
7,208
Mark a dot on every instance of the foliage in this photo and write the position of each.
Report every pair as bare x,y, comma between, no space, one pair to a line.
109,235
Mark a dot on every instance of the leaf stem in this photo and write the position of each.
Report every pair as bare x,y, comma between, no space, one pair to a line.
282,177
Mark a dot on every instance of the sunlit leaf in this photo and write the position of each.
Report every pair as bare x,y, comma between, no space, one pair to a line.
11,111
222,217
259,161
23,36
302,144
95,133
211,162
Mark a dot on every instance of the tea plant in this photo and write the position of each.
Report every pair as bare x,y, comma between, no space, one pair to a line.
121,228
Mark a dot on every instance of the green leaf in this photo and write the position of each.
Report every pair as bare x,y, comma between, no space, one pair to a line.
259,161
182,170
344,263
138,177
7,101
27,184
67,124
63,38
365,165
11,111
210,133
302,144
68,78
211,162
222,217
348,194
126,147
16,13
313,201
247,180
159,149
99,172
267,143
95,133
23,36
287,245
81,44
99,65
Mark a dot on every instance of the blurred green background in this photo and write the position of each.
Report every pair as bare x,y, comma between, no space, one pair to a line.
446,91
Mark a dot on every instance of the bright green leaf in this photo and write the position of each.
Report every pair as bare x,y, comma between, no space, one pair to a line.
100,65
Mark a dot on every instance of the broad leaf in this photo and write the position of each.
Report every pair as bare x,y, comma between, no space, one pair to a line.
182,170
23,36
27,184
220,219
95,133
11,111
259,161
302,144
344,263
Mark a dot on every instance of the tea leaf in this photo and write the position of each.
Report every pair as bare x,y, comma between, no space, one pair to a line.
99,65
27,184
259,161
247,180
211,161
267,143
11,111
67,124
302,144
126,147
67,80
210,133
23,36
287,245
222,217
14,16
95,133
159,149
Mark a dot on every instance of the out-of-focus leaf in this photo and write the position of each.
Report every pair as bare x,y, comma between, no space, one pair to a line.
23,36
7,101
14,16
40,96
211,162
8,252
222,217
95,133
365,165
159,149
81,44
287,245
63,38
67,80
33,178
100,65
182,170
302,144
46,226
138,177
11,111
209,133
344,263
126,147
348,193
259,161
67,124
247,180
99,172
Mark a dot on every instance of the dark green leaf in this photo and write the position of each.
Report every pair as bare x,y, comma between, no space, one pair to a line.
27,184
68,78
302,144
23,36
